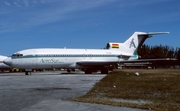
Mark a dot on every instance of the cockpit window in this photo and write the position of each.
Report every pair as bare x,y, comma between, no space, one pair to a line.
17,55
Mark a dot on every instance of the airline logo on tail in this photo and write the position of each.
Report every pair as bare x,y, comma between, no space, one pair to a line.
132,44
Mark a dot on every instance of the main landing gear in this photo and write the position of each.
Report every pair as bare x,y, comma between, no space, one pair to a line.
103,71
27,73
69,70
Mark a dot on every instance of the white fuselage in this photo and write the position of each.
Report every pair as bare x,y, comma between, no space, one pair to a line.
62,58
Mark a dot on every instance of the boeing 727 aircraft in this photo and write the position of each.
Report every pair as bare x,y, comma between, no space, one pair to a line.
85,59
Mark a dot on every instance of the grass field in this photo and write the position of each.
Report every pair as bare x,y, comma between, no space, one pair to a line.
153,89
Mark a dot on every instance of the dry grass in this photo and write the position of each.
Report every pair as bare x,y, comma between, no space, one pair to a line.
156,89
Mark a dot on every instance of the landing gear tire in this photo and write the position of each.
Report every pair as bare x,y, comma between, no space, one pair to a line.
68,70
27,73
104,71
88,71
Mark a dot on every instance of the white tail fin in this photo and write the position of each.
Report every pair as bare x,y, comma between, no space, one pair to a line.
130,46
137,39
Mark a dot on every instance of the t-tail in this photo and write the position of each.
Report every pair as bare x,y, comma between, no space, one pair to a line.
131,45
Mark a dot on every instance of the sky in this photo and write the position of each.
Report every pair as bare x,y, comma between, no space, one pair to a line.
86,24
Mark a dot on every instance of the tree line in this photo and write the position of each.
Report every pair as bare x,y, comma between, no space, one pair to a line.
154,52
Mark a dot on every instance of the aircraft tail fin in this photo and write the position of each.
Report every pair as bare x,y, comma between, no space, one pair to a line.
130,46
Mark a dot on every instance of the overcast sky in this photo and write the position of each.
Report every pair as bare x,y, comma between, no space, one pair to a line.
85,23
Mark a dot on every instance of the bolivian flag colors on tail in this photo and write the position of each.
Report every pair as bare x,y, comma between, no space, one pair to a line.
115,46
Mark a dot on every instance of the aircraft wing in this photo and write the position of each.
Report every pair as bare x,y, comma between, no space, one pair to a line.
147,60
101,63
95,63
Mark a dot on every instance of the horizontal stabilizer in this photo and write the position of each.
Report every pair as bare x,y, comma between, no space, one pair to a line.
154,33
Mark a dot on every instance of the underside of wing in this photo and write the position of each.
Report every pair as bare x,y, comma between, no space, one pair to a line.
103,63
95,63
147,60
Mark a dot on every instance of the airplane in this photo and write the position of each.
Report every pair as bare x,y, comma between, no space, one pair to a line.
3,66
86,59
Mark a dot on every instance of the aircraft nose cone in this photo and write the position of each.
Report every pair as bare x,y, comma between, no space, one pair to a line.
8,61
